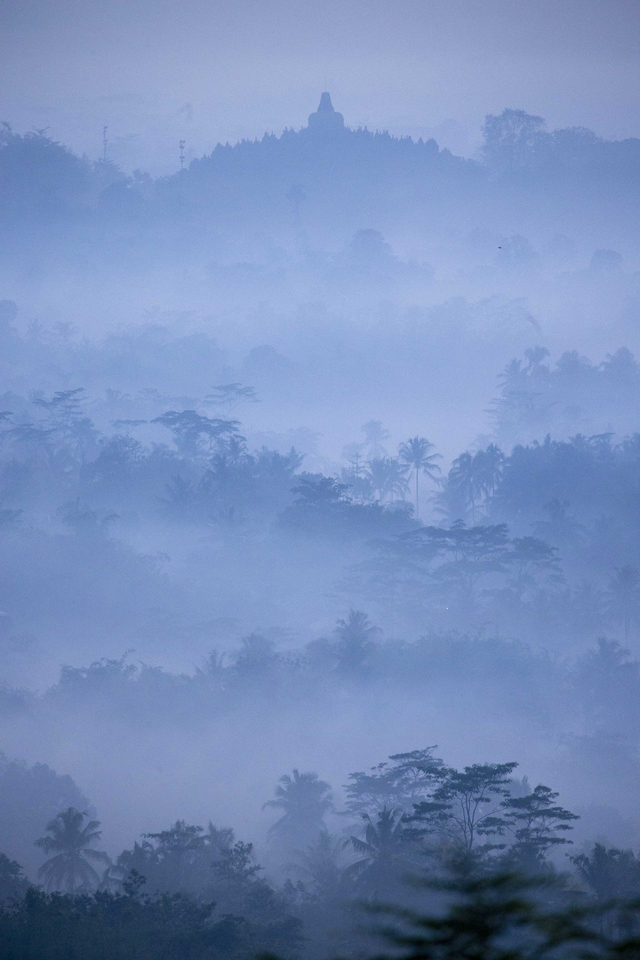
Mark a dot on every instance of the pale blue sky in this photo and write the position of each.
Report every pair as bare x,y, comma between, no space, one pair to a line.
202,70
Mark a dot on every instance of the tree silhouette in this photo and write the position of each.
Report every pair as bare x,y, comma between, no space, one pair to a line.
415,453
609,873
305,799
399,782
71,842
537,823
466,804
384,849
561,528
319,864
513,141
13,882
194,434
354,641
497,916
466,475
388,477
374,435
231,395
624,597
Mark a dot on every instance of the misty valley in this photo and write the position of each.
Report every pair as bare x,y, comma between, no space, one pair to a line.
320,548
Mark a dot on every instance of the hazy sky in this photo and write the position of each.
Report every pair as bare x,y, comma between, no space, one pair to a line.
156,71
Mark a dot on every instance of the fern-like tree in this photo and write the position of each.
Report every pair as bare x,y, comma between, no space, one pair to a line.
71,842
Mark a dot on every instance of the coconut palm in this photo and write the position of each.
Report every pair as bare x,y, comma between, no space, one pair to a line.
489,464
71,843
374,437
320,864
218,840
384,849
609,873
466,476
415,453
388,477
305,799
355,641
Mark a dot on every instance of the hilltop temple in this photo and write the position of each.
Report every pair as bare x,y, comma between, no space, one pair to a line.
326,119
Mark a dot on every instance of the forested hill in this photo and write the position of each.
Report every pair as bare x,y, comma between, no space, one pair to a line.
325,181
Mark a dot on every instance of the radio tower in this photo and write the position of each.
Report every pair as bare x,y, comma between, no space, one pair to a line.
182,142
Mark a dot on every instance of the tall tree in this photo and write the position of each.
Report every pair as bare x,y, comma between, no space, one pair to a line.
466,474
468,554
231,395
354,641
415,453
305,799
399,782
513,141
609,872
71,841
195,435
466,805
537,823
388,477
374,437
384,851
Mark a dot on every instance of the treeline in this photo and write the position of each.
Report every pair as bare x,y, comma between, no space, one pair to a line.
40,176
544,539
274,177
572,396
413,830
593,695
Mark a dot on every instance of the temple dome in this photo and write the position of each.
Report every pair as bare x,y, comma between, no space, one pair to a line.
325,119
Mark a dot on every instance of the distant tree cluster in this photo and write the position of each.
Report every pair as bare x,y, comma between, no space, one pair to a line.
516,142
536,398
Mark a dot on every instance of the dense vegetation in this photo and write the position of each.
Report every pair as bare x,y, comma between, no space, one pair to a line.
477,843
197,591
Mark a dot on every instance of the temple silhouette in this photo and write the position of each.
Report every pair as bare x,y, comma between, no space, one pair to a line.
358,174
326,120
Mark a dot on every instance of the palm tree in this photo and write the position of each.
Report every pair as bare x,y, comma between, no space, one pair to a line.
467,476
609,873
320,864
71,843
624,598
355,641
388,477
384,849
305,800
489,463
218,840
415,453
562,528
374,435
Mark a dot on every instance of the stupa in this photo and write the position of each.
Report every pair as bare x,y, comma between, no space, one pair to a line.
326,119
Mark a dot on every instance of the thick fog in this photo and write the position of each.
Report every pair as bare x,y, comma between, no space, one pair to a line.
319,445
